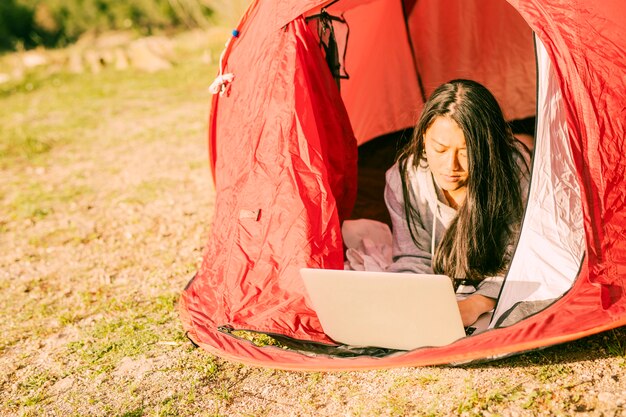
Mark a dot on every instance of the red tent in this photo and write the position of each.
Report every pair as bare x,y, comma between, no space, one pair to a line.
283,150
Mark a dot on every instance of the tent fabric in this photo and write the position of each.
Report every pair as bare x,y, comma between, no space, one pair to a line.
284,159
551,244
382,94
432,46
285,179
491,42
588,51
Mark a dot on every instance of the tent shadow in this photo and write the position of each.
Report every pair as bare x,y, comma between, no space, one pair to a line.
374,159
605,345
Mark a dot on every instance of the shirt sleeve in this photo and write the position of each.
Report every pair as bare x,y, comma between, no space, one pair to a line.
490,286
407,256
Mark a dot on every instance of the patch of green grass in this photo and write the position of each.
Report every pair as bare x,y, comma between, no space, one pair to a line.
397,405
26,319
615,342
32,400
36,201
554,372
539,399
4,226
26,147
471,403
223,394
69,317
50,112
148,191
428,379
134,413
34,381
207,369
31,390
476,403
168,407
44,116
258,339
37,312
128,331
63,236
315,378
198,164
32,81
396,401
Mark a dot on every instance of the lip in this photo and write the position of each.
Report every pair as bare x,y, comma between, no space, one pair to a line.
451,178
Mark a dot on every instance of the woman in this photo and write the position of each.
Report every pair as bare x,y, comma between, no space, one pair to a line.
457,193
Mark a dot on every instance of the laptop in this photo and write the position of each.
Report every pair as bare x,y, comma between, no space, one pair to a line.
390,310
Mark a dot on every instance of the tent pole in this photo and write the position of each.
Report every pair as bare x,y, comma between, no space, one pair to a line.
408,36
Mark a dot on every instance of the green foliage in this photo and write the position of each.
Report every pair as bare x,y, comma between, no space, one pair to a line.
59,22
16,23
78,16
227,12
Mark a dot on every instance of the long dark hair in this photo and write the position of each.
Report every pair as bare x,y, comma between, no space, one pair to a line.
475,244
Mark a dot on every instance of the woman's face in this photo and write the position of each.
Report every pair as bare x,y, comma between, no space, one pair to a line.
444,143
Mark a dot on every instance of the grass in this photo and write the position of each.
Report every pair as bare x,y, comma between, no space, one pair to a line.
106,203
23,145
616,345
36,201
126,332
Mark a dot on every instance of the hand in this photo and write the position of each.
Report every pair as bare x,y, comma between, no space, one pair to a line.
473,306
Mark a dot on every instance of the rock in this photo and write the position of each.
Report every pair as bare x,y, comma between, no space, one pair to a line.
121,60
75,62
119,50
93,61
107,57
112,40
62,385
34,58
606,397
151,54
86,40
133,368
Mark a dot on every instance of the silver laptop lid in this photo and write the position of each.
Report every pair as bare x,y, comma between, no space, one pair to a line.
383,309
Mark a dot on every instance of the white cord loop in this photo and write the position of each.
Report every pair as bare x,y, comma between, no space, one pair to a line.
221,84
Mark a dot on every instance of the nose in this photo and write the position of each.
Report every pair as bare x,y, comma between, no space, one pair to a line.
452,162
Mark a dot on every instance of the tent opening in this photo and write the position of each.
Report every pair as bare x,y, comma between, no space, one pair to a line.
501,54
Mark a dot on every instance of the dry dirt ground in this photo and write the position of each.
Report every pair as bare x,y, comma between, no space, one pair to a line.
106,204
